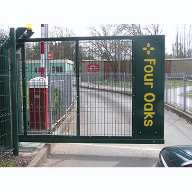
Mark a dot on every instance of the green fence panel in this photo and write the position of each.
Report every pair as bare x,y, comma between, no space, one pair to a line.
5,112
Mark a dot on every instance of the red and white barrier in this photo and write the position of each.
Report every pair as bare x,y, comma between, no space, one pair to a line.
42,51
38,95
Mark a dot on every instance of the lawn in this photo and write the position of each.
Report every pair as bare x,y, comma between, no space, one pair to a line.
113,83
178,83
188,94
171,83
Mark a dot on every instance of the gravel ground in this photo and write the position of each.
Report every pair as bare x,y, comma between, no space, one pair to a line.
22,160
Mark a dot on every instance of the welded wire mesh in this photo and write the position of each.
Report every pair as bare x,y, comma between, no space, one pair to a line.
6,146
105,89
178,91
188,93
106,104
49,98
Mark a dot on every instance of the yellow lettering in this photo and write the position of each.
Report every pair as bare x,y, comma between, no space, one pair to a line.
148,123
149,114
148,66
151,61
147,95
148,75
148,107
149,83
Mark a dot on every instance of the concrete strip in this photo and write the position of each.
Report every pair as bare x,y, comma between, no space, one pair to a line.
179,112
62,126
42,155
45,149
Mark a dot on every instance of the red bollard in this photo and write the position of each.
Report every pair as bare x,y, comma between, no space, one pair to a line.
38,103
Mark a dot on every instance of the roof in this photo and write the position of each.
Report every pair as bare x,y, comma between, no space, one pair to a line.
178,59
51,61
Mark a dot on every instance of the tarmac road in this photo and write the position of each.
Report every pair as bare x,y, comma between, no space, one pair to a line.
177,132
105,113
175,97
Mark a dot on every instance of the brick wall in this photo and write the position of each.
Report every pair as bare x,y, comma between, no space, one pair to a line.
180,66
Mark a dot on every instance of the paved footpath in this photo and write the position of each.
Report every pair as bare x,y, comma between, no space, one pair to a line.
177,132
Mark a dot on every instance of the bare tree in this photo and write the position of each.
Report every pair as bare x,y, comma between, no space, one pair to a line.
189,41
130,29
138,29
62,50
177,43
152,29
111,50
182,46
3,34
59,31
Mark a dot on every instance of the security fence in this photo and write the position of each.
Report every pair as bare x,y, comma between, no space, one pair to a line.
76,101
61,95
178,91
8,88
59,89
108,80
61,115
106,104
5,110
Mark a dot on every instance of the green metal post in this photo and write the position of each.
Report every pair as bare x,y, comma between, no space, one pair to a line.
77,85
184,92
14,83
7,100
133,86
24,86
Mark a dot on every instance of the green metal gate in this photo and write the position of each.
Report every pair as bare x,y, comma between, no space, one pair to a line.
115,94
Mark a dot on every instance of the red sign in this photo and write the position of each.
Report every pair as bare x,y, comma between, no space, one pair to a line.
93,67
50,55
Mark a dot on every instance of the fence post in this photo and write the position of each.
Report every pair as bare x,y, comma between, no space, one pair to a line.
184,92
19,95
15,121
49,100
24,86
166,87
71,74
124,82
77,86
111,81
98,79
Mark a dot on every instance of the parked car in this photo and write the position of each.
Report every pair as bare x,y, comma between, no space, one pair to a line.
175,156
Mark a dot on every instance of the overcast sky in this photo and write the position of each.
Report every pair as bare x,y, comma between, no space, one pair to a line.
82,29
79,15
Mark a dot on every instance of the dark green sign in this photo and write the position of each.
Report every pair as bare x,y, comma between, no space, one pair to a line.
148,87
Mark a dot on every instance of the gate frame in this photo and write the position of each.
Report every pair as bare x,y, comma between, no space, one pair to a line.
96,139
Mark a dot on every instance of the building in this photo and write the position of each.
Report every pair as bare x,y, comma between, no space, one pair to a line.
104,66
55,67
181,65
